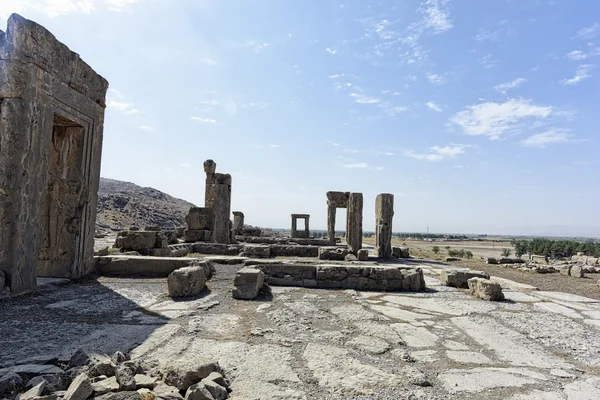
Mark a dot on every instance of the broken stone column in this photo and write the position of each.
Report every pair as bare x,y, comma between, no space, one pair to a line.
354,220
200,221
335,200
209,168
331,211
238,222
222,209
384,213
51,120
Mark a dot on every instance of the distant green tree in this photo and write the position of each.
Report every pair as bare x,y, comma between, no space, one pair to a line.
506,252
436,249
469,254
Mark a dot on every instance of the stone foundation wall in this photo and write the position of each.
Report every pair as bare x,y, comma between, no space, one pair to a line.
344,277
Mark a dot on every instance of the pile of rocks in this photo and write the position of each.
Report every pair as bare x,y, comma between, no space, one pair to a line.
99,376
485,289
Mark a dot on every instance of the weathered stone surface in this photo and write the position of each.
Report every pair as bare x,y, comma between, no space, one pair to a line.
217,249
188,281
564,269
256,251
208,265
105,386
459,277
54,382
333,253
217,391
577,271
248,282
508,260
10,382
384,213
200,219
350,257
79,389
32,369
162,391
86,357
218,379
144,381
34,392
491,260
139,265
198,392
335,200
183,373
105,367
238,222
51,112
362,255
485,289
125,375
354,220
126,395
400,252
136,241
190,236
281,250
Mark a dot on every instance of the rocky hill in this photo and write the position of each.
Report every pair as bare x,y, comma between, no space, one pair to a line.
124,204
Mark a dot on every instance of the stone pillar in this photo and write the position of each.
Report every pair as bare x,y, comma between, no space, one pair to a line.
354,221
238,222
221,209
384,212
331,211
209,196
294,230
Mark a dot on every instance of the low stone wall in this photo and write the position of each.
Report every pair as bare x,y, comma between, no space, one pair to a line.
283,241
282,250
139,265
328,276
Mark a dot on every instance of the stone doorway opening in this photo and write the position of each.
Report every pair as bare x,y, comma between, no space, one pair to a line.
63,201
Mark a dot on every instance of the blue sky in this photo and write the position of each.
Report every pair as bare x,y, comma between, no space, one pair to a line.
480,116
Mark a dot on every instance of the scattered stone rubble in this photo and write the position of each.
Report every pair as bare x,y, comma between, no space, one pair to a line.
92,375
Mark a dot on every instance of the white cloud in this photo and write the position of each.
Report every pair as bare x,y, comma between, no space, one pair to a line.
488,61
392,110
204,120
504,87
494,119
256,105
436,79
487,35
274,146
362,99
336,76
146,128
552,136
437,153
582,72
360,165
437,16
578,55
331,51
589,32
256,46
434,106
124,107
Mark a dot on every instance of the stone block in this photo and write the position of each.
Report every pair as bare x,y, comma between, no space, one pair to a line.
564,269
362,255
194,235
136,241
79,389
400,252
256,252
217,249
491,260
485,289
282,250
248,282
188,281
207,265
577,271
200,219
333,253
459,277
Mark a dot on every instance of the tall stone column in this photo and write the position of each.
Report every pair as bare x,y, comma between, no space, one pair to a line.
384,212
331,210
354,219
222,208
209,193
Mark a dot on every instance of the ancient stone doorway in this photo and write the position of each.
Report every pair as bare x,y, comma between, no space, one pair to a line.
63,201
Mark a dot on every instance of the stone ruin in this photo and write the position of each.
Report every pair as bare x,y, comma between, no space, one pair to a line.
211,223
305,233
353,202
52,113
